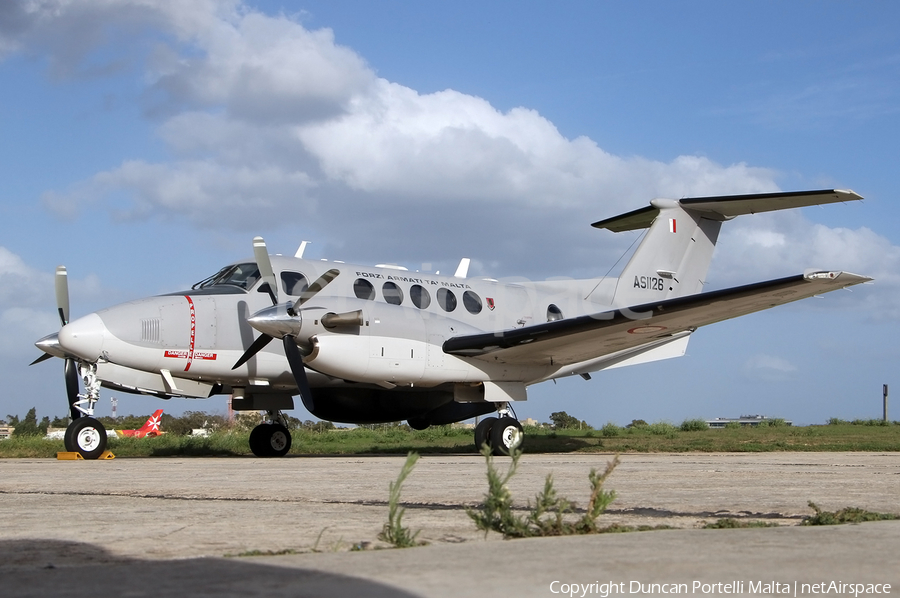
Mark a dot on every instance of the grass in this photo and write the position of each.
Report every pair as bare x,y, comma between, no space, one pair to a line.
658,437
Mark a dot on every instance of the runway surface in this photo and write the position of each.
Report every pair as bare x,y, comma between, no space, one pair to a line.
189,525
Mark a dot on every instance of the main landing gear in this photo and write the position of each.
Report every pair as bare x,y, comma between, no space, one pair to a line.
503,435
271,438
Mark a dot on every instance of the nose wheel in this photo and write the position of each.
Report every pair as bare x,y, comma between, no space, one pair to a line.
86,436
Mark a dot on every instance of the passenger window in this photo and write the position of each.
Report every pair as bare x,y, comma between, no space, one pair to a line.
392,293
364,289
472,302
446,299
293,283
419,296
554,313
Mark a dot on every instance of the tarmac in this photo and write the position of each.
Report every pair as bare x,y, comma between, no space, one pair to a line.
308,526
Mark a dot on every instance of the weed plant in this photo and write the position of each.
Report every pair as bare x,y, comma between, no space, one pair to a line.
551,514
393,531
845,515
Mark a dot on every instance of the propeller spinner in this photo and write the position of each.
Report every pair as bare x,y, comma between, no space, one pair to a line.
282,321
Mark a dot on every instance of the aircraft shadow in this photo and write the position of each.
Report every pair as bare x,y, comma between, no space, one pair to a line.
37,567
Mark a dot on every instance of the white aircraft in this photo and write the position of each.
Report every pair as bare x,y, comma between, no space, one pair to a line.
367,344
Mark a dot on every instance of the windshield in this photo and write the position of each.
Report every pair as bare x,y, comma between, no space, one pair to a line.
238,275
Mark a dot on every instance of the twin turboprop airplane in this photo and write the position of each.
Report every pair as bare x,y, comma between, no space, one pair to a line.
364,344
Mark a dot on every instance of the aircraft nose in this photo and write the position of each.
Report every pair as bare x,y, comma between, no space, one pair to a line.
84,337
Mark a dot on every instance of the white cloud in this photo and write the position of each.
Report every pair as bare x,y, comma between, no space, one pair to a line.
772,245
271,124
768,367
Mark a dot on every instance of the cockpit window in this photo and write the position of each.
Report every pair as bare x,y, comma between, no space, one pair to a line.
238,275
293,283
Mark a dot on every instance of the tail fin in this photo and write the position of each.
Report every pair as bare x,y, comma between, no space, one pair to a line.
151,428
674,257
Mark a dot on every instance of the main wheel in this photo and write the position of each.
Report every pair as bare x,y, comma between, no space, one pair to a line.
258,444
417,423
483,432
278,440
87,436
506,436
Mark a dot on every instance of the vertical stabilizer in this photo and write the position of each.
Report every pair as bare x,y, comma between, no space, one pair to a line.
151,428
672,260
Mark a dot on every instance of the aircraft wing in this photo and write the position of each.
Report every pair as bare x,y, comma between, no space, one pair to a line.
575,340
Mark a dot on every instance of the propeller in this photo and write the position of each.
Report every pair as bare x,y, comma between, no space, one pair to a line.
282,321
50,344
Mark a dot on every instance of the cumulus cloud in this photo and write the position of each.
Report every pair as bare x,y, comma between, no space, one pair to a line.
22,289
27,302
770,245
271,124
768,367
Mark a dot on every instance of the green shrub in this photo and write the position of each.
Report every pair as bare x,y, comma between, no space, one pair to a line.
610,430
732,426
694,425
845,515
662,429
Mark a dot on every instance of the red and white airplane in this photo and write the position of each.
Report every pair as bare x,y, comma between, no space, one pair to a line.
150,428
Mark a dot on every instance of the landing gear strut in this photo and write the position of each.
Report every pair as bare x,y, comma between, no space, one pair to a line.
503,435
86,435
271,438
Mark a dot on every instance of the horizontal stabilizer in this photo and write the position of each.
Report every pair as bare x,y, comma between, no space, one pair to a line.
727,206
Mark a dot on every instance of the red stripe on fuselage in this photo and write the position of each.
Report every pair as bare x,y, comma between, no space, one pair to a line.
190,357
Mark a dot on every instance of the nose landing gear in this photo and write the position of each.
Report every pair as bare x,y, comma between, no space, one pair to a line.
86,435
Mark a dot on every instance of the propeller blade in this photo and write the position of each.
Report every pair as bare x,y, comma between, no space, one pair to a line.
71,373
292,351
62,294
43,357
317,285
256,347
261,253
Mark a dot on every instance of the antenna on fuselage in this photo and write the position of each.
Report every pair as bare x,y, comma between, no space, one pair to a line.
463,269
301,249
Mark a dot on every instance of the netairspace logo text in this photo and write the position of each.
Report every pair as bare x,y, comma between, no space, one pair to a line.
582,590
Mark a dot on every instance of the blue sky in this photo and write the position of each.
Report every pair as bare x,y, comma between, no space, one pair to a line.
144,144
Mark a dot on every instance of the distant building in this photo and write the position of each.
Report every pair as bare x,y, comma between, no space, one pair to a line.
6,431
744,421
530,422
